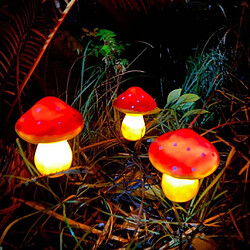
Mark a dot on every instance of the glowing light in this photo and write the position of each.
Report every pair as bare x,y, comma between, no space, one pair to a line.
179,190
133,127
134,103
50,123
53,157
184,157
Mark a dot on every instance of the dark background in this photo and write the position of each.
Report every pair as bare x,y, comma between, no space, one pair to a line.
173,32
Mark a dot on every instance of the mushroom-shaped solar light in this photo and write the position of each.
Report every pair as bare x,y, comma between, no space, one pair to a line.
135,103
50,123
184,157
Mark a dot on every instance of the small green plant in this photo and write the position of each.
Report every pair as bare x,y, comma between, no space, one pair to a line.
110,50
178,111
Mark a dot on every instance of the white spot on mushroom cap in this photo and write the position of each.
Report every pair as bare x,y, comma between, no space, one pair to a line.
123,98
129,95
38,109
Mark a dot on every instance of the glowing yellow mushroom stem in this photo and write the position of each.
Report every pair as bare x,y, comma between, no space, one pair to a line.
179,190
133,127
53,157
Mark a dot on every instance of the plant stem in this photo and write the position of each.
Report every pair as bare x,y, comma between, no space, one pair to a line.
179,222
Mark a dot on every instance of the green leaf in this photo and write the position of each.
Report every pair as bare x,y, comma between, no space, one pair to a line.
183,106
106,49
173,95
105,34
124,62
185,101
188,98
96,53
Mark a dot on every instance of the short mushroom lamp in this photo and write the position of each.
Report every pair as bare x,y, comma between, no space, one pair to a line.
50,123
184,157
135,103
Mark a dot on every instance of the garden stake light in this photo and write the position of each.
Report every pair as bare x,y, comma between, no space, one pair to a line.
184,157
50,123
135,103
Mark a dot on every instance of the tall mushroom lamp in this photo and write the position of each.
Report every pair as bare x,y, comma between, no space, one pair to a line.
184,157
50,123
135,103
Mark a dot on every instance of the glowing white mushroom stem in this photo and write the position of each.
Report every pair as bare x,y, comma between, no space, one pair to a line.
133,127
179,190
53,157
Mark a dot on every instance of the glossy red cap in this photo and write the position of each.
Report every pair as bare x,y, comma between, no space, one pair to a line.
184,154
49,120
135,101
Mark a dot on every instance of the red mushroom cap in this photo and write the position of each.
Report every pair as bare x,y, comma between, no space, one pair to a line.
135,101
49,120
184,154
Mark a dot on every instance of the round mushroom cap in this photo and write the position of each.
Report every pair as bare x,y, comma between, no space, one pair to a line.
135,101
49,120
184,154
